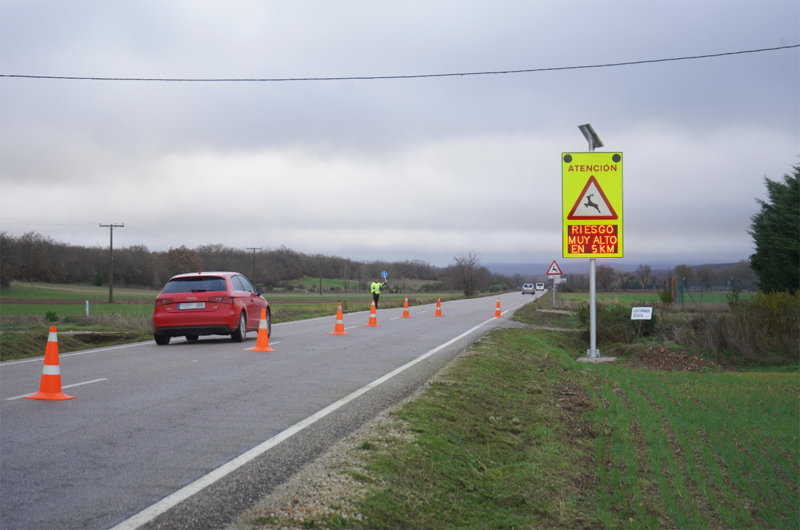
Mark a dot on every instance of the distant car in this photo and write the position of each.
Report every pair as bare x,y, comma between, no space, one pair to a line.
528,288
540,287
208,303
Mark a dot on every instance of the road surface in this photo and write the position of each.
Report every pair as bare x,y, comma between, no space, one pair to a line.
191,434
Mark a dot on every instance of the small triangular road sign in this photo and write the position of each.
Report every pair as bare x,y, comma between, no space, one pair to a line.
554,269
592,204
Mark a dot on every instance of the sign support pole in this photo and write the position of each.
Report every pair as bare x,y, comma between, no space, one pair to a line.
592,351
591,229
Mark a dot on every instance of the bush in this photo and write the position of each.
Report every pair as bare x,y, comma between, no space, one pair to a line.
498,287
666,298
764,328
428,288
51,317
98,280
614,323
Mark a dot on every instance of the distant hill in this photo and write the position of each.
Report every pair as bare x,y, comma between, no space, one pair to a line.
578,266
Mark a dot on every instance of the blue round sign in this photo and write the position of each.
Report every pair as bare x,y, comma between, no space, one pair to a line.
384,274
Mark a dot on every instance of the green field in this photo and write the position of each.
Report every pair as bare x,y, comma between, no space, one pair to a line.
38,290
651,297
36,299
406,284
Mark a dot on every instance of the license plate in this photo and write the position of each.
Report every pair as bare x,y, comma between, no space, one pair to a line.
192,305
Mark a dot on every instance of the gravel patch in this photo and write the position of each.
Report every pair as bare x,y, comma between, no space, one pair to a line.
329,488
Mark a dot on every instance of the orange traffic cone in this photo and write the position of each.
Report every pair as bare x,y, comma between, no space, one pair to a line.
373,319
262,340
50,387
405,309
438,308
338,329
497,313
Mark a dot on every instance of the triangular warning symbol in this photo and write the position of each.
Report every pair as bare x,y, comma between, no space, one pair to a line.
592,204
554,269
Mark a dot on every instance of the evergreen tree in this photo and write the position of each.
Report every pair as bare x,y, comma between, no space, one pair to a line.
776,234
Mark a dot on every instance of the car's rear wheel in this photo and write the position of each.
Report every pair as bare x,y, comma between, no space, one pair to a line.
241,332
269,324
161,340
192,337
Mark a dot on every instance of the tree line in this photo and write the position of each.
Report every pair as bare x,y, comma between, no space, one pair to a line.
695,277
34,257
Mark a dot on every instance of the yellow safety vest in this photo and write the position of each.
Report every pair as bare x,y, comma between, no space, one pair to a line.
375,288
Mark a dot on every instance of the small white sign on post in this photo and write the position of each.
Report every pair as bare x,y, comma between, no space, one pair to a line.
642,313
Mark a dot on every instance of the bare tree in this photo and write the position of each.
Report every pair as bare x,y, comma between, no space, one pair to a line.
624,278
706,274
643,272
605,276
7,259
684,271
466,268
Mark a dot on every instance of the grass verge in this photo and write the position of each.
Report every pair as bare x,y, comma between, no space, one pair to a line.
33,343
516,434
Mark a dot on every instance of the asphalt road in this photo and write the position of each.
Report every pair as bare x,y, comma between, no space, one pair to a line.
191,434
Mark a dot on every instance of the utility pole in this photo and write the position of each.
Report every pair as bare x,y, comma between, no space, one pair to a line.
111,228
254,260
416,262
319,270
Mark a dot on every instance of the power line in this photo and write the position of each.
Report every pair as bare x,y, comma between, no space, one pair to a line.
150,235
414,76
9,220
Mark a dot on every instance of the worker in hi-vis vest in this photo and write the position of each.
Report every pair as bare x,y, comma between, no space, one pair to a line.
375,289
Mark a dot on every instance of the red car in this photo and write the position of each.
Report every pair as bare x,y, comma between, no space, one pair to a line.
208,303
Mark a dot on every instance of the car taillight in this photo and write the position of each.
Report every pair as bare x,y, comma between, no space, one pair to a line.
163,301
221,299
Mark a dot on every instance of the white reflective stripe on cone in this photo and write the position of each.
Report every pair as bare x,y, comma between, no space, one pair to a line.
262,324
49,369
52,337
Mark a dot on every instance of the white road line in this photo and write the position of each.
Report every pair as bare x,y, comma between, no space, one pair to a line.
148,514
62,355
351,327
394,318
271,343
62,388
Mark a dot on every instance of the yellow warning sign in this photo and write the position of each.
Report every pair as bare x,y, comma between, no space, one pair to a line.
591,205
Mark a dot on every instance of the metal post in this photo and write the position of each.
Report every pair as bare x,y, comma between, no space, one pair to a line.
554,292
594,141
592,351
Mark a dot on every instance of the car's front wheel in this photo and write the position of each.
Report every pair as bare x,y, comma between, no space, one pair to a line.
241,332
161,340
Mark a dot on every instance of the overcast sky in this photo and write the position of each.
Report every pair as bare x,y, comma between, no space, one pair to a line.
392,168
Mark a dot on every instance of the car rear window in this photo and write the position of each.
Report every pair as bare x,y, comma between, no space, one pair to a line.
194,285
